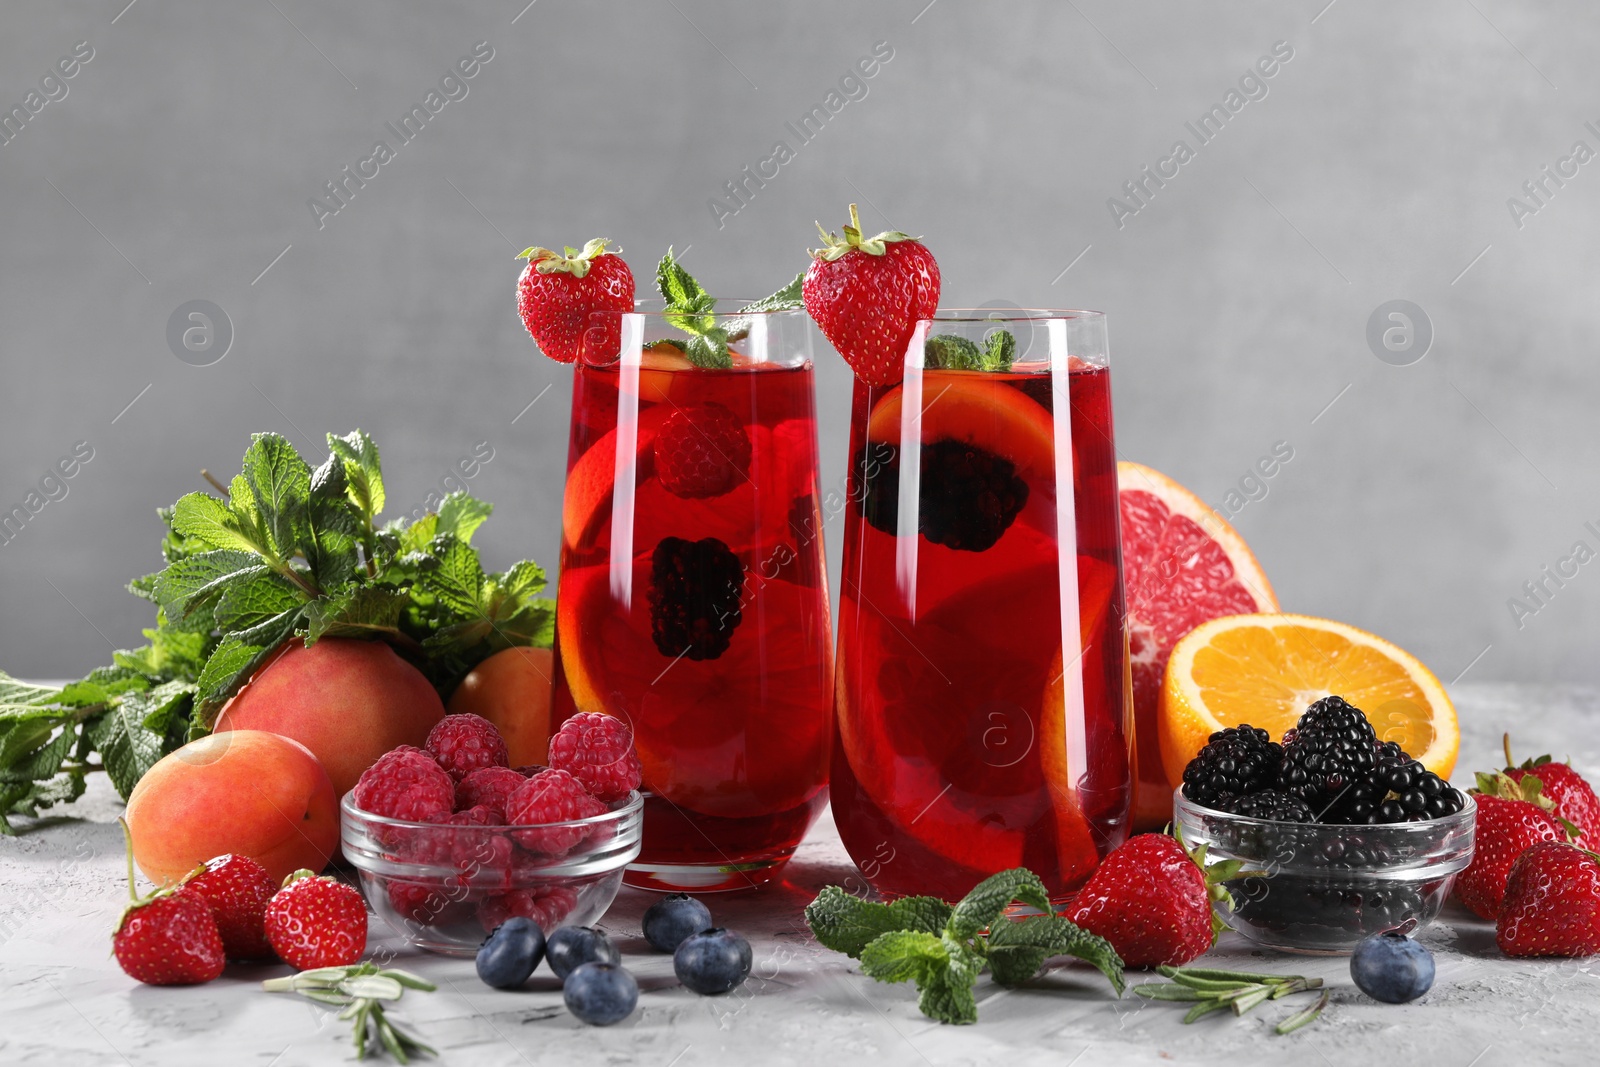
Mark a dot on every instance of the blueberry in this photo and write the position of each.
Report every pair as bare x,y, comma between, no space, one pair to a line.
1392,968
673,918
509,955
600,993
712,961
571,946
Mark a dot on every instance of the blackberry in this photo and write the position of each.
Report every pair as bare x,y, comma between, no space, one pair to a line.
1267,804
875,485
1237,761
695,592
970,497
1399,789
1329,751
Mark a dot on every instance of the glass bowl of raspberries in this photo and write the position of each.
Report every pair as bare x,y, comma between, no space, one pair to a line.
451,841
1336,834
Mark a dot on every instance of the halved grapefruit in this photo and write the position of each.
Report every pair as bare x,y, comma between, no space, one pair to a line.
1182,565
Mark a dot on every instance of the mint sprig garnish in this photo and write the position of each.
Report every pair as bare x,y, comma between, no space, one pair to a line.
943,949
692,309
948,351
288,553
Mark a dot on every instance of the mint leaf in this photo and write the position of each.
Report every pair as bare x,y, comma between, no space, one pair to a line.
197,581
1018,948
691,309
280,486
709,350
249,603
210,523
947,351
786,299
524,579
947,996
13,691
29,800
846,923
989,898
905,955
102,684
334,528
363,469
360,611
457,580
236,657
417,536
127,747
999,350
461,515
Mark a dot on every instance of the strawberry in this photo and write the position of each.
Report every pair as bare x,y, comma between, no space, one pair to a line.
558,295
237,889
1574,799
1511,816
1152,900
1552,905
168,937
866,295
317,922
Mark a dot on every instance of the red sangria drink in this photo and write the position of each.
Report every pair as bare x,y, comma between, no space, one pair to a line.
692,599
983,701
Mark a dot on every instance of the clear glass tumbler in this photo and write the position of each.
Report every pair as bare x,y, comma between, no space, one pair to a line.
983,702
692,600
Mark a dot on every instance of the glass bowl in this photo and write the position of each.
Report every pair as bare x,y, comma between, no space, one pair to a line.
1322,887
443,887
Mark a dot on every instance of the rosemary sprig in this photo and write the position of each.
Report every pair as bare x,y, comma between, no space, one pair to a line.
1210,990
360,991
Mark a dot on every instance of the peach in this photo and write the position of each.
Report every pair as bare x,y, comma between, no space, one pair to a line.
248,792
348,701
512,690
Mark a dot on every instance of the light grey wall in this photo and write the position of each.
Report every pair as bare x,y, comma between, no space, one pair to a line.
1377,167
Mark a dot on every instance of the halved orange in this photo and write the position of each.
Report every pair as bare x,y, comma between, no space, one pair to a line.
1266,669
1182,564
966,406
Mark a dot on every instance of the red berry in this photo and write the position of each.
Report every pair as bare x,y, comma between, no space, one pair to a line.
558,297
551,796
1574,798
237,889
317,922
488,787
405,784
546,906
866,295
1552,903
417,902
169,939
1506,825
598,750
466,743
1150,900
702,451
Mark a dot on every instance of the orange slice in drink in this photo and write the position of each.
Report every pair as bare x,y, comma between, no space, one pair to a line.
966,406
1266,669
1182,565
586,501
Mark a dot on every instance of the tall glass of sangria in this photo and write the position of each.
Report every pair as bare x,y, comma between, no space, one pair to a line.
983,701
692,599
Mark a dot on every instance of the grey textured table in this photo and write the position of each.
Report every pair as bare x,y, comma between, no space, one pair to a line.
66,1002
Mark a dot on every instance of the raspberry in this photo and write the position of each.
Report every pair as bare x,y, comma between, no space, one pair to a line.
405,784
598,750
548,906
552,796
701,451
695,593
488,787
466,743
418,902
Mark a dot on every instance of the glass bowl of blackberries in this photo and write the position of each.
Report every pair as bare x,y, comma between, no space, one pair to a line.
1336,833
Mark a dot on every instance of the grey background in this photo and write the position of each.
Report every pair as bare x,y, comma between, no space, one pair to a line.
1377,168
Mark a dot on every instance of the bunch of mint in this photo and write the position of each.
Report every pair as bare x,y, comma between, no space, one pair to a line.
692,309
943,949
949,351
291,553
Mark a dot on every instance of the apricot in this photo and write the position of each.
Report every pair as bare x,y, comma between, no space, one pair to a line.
512,689
348,701
248,792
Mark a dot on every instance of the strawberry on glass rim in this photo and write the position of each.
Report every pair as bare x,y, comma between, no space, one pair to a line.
867,294
558,295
